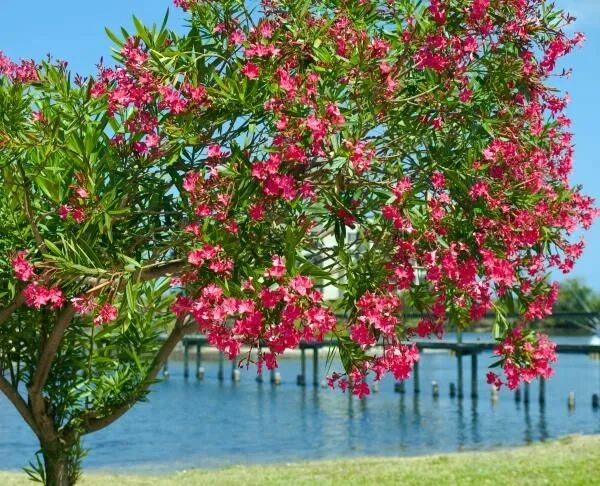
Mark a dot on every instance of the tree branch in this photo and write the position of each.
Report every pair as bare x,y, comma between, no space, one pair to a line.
158,270
42,370
17,400
8,311
50,349
92,422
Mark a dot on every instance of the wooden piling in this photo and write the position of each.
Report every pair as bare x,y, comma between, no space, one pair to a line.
199,368
452,390
473,374
459,364
166,369
526,394
518,395
315,366
435,389
186,361
301,378
571,401
542,392
416,385
220,374
399,387
595,401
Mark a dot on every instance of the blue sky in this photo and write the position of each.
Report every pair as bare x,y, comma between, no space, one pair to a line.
74,32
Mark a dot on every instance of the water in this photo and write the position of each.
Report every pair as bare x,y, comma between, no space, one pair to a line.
210,424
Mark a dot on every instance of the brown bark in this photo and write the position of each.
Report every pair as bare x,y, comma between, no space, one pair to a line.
15,398
8,311
60,467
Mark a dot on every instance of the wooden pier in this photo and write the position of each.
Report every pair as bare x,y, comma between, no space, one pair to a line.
459,349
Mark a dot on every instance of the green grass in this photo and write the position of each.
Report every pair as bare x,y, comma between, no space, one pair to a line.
572,460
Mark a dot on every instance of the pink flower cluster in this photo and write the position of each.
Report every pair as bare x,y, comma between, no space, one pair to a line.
80,201
277,314
38,296
24,72
103,314
23,269
524,356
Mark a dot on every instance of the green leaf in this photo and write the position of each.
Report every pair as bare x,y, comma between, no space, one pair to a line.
113,37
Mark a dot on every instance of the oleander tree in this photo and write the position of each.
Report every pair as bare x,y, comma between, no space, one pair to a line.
215,180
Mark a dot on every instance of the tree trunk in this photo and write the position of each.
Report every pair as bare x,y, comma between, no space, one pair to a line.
60,466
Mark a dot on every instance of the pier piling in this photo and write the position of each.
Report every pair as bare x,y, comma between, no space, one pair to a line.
315,367
186,361
473,375
459,364
416,386
301,378
199,368
220,374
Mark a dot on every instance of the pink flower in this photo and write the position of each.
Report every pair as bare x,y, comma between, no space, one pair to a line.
277,269
78,215
84,304
22,268
438,180
361,389
250,70
361,335
206,253
301,284
39,296
256,211
214,151
108,313
237,37
424,328
64,211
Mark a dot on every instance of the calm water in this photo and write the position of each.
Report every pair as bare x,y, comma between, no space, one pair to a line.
208,424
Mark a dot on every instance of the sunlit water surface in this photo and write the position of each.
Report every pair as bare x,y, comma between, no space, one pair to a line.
189,424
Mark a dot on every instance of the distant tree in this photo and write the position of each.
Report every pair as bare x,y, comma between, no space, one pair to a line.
577,297
192,187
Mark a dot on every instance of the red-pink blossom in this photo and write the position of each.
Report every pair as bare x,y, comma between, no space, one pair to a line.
22,268
250,70
107,313
38,296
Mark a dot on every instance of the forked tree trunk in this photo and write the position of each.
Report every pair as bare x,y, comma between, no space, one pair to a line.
60,466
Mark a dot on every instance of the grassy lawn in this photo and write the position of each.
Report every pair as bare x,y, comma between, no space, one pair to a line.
572,460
